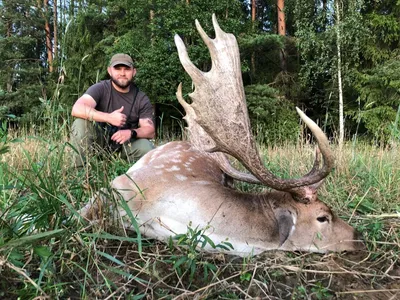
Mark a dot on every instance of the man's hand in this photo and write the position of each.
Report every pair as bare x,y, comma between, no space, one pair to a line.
117,118
121,136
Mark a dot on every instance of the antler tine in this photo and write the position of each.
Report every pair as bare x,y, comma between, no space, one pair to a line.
201,140
187,64
197,136
219,108
323,144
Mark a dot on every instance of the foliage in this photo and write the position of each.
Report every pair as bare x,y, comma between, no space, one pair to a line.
192,243
22,74
85,47
274,118
379,91
89,32
316,32
45,253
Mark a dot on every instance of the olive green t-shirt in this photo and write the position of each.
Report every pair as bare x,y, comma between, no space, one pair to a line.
136,104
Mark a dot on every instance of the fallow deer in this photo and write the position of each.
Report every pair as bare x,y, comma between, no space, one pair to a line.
182,183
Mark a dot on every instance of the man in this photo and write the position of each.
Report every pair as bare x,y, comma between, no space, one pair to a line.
113,114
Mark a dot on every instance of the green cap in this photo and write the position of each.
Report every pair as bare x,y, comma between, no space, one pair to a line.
121,59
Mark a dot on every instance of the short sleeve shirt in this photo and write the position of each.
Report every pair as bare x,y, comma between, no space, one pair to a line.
136,104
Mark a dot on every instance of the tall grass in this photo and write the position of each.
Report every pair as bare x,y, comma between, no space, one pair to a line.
43,251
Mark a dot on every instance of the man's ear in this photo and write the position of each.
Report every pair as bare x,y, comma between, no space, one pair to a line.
109,71
285,220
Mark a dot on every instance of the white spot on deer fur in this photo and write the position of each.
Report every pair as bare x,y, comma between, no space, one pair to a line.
159,172
173,168
201,182
180,177
159,167
176,160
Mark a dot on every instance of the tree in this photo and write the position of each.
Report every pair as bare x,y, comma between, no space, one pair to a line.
339,74
377,82
282,31
21,46
330,49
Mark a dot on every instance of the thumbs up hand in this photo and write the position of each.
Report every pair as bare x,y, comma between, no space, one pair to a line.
117,118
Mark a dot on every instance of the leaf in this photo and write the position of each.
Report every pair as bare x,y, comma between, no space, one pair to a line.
180,261
245,277
42,251
128,211
211,266
192,269
111,258
225,245
32,238
208,240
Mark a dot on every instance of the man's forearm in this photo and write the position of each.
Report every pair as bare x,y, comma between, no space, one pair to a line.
89,113
145,132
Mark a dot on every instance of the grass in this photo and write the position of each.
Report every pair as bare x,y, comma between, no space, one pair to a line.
45,254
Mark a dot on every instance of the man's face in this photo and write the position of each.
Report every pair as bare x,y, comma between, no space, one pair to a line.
121,75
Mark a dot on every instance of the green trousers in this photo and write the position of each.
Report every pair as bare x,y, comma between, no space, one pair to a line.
89,139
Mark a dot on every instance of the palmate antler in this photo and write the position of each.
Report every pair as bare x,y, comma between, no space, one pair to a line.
218,119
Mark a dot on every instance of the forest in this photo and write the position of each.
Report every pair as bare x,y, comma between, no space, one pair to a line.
337,60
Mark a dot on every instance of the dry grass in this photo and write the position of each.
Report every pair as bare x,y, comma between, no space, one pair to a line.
86,263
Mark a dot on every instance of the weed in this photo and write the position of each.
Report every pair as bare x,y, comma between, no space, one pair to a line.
192,243
42,255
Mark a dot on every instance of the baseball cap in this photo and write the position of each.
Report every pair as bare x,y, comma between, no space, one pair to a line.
121,59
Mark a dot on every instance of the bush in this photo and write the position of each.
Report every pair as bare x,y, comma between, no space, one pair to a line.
273,117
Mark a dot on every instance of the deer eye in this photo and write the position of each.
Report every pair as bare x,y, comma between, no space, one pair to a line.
323,219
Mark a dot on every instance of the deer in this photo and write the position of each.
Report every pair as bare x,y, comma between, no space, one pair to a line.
189,182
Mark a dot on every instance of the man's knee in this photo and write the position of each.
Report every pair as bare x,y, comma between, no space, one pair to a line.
138,148
80,128
81,140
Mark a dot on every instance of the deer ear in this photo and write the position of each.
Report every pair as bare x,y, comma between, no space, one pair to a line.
285,220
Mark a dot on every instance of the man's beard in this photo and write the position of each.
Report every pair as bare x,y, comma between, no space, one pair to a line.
120,84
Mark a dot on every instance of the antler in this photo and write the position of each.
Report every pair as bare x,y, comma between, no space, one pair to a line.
220,117
202,141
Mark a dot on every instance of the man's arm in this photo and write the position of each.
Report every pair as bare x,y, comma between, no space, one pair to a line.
146,129
84,108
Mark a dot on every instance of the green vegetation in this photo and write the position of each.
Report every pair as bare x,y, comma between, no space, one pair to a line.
46,252
43,251
297,68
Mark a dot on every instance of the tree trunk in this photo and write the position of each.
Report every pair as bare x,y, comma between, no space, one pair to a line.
49,47
253,10
339,74
253,21
55,29
281,18
151,18
282,32
10,73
